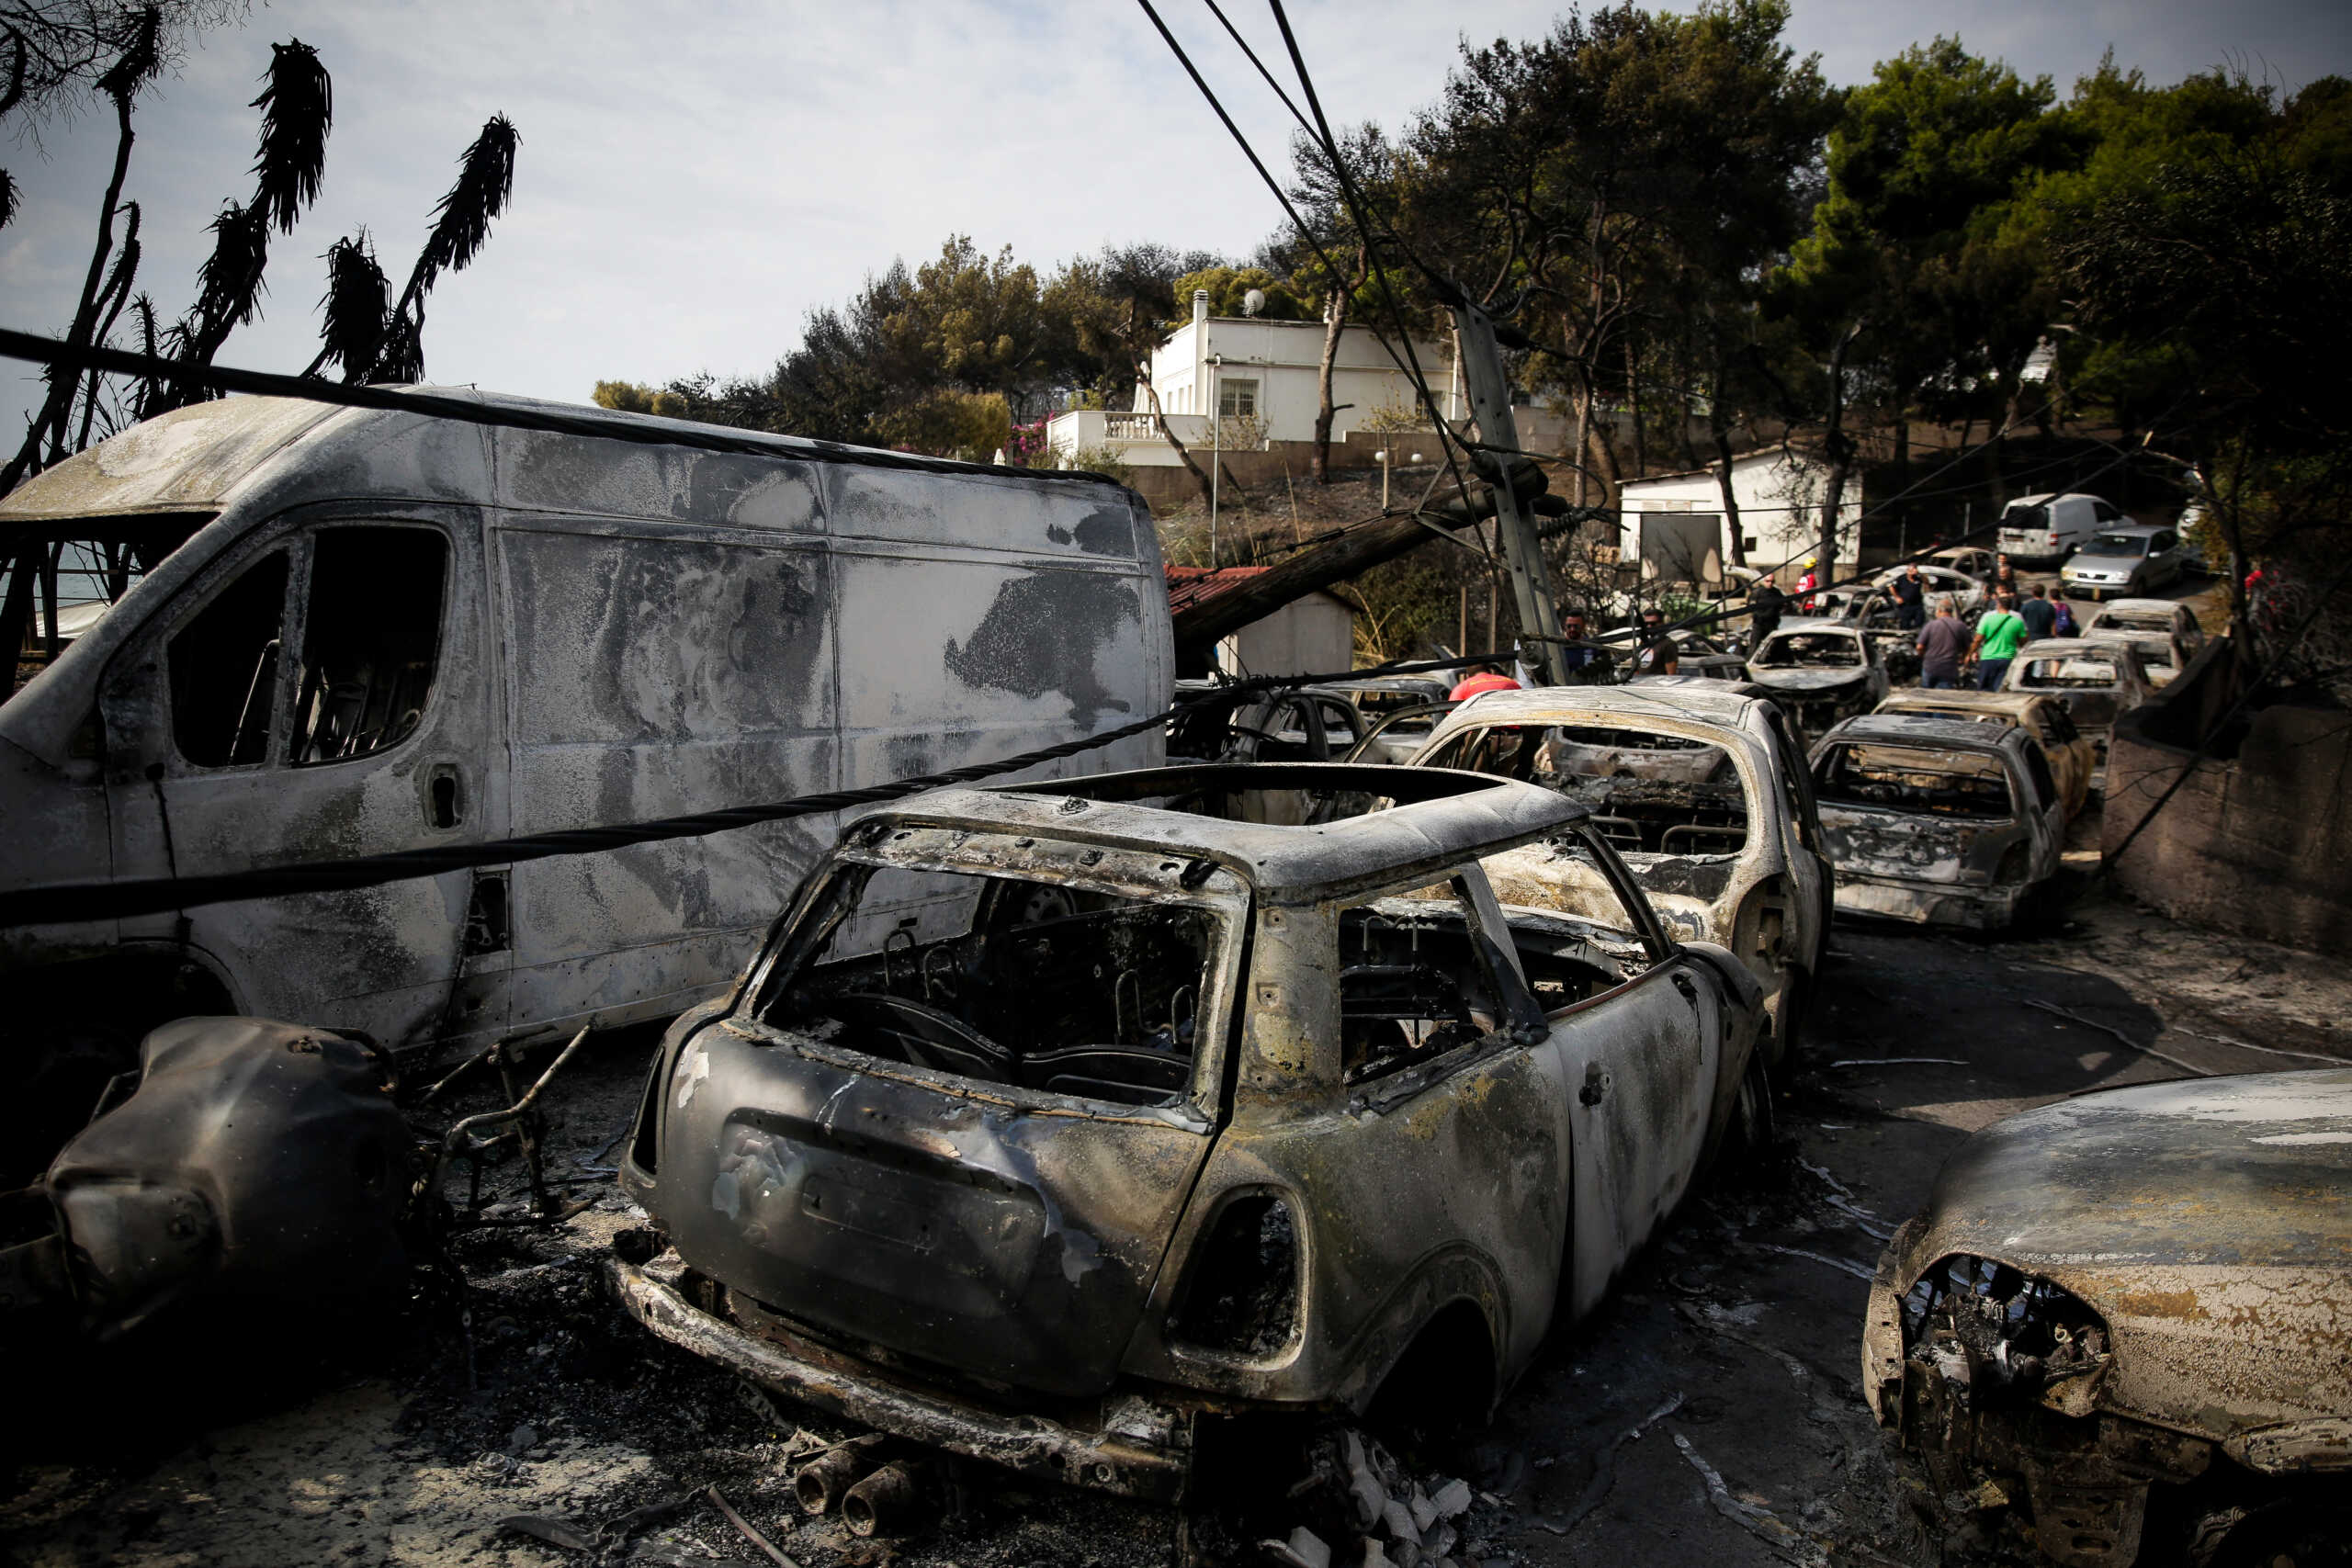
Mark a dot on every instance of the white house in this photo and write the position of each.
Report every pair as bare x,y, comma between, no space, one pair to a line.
1675,526
1265,373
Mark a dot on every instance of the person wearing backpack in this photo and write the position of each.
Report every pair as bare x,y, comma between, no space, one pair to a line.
2064,625
1998,636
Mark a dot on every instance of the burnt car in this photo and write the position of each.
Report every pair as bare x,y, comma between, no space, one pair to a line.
1819,671
2165,632
1937,821
2120,1321
2070,754
1704,794
1056,1124
2097,680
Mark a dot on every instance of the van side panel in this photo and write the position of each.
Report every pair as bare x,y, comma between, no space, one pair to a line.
738,630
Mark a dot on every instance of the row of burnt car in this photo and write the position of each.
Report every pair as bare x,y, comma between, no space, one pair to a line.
1182,1103
1080,1126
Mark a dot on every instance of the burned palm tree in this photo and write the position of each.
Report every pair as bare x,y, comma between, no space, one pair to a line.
395,351
296,102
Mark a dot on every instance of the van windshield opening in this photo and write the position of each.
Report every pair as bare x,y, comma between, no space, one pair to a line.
58,578
1970,784
1809,650
1010,980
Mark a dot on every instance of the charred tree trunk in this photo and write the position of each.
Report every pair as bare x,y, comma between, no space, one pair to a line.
1725,487
56,415
1838,446
1335,324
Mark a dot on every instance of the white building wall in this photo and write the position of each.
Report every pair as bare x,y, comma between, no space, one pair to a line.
1780,499
1313,635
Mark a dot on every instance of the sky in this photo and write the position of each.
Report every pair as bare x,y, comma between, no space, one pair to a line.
693,178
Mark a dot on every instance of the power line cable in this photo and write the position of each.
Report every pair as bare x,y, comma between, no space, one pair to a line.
66,902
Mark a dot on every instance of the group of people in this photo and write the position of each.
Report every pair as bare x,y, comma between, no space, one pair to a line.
1949,647
1951,653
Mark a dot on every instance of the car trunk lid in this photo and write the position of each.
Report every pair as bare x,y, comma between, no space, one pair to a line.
1017,1242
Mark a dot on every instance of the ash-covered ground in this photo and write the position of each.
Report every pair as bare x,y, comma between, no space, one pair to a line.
1732,1346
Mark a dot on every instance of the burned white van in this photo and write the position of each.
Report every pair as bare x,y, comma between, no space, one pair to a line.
360,631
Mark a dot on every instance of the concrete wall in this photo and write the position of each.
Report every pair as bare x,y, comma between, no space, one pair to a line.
2258,842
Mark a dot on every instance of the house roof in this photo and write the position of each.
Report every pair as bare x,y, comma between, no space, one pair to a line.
1795,451
1189,587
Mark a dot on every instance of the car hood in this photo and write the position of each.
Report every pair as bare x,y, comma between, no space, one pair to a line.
1807,679
2207,1220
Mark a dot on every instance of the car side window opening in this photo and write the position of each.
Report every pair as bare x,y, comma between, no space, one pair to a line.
1912,779
1044,984
223,669
2104,511
1417,983
2075,672
371,640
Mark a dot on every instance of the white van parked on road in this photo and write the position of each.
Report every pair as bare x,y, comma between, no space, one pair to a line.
360,632
2045,529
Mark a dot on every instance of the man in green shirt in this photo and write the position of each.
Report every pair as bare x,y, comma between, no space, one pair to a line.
1998,636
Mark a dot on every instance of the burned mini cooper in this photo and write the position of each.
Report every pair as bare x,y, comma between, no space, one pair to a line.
2120,1323
1056,1123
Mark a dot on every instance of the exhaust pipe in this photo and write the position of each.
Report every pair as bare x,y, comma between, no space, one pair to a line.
823,1481
888,1503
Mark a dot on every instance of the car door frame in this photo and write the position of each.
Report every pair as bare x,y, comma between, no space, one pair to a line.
294,954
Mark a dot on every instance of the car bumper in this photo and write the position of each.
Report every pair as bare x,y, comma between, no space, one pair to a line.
1925,904
2084,1479
1133,1445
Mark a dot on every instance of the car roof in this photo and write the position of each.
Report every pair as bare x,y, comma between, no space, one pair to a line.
1442,817
2060,647
1924,729
2152,607
2038,500
2136,528
2013,703
1814,624
1643,699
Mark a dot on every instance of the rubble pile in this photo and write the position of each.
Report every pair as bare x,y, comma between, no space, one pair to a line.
1378,1513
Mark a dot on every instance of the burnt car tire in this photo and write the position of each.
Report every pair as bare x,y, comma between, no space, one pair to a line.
2306,1533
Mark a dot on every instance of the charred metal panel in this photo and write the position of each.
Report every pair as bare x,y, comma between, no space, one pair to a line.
185,460
652,673
256,1160
385,960
573,476
1013,1243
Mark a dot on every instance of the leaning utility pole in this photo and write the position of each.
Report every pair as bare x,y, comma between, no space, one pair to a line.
1522,552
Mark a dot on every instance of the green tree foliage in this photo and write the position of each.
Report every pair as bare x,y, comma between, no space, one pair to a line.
2216,282
1916,261
1228,287
1595,173
944,358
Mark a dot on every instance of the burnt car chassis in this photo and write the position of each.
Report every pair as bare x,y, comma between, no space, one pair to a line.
1409,1132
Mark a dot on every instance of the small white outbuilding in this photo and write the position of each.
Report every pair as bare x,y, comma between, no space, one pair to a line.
1675,524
